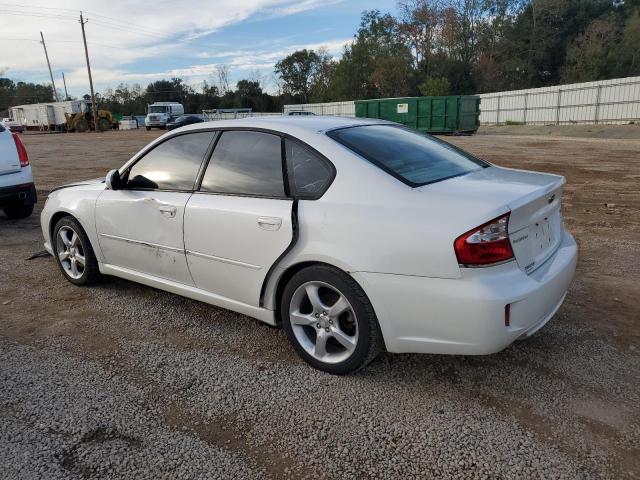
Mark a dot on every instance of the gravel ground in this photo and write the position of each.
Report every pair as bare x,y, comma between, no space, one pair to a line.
124,381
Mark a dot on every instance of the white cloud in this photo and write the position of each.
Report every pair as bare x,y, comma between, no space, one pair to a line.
121,33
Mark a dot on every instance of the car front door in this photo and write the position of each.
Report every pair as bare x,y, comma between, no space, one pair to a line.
140,226
240,220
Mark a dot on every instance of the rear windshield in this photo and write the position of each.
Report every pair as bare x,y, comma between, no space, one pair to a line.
414,158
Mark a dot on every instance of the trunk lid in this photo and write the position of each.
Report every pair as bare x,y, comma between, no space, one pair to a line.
9,160
534,199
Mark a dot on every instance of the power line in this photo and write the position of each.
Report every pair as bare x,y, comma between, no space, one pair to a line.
109,20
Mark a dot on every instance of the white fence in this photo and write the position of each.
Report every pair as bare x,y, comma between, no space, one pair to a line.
605,101
342,109
220,114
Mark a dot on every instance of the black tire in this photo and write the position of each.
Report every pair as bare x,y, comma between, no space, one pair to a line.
148,128
91,273
18,210
369,339
103,125
82,126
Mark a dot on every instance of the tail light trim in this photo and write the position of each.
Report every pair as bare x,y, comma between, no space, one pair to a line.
22,152
482,247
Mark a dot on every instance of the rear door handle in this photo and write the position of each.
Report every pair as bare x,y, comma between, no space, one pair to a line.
168,210
270,223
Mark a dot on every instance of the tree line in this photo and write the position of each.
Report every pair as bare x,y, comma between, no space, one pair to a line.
428,47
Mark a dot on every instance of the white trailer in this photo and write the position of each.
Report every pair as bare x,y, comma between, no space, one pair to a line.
44,116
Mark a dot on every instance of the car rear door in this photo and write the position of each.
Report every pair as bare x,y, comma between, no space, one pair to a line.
240,220
9,161
140,226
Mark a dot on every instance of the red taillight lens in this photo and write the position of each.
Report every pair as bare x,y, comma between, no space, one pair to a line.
486,244
22,152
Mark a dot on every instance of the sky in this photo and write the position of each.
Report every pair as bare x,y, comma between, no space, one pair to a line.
139,42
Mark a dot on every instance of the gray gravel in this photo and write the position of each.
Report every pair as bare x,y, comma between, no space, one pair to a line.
122,381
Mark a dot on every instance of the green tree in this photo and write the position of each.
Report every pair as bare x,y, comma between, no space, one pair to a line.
435,86
298,71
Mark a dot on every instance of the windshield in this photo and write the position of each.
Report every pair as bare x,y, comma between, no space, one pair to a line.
414,158
157,109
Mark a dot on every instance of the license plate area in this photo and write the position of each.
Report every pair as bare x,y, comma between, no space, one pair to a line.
541,237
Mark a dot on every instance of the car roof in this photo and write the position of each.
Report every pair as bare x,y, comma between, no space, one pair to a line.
291,123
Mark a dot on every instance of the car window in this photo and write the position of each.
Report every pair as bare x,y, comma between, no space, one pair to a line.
246,163
414,158
172,165
308,173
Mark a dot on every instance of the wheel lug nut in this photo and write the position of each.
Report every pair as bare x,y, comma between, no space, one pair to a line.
317,315
317,325
326,329
324,313
330,321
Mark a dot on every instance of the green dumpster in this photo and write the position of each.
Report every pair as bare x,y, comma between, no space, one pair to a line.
450,114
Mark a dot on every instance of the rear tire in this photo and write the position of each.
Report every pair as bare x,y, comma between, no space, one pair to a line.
18,210
329,320
73,252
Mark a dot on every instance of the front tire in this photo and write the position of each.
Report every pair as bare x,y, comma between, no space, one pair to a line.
18,211
73,252
329,320
82,126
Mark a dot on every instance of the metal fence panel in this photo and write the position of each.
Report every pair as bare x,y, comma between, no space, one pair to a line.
606,101
342,109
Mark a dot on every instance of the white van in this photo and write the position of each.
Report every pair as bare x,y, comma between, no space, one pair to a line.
161,113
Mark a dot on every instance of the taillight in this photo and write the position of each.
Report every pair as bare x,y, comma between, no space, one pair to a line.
485,245
22,152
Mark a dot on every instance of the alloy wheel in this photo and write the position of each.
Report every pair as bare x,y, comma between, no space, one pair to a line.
323,322
70,252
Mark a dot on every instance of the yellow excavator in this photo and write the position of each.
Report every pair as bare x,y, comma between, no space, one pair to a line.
82,121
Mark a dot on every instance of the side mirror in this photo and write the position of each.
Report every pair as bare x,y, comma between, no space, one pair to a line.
113,180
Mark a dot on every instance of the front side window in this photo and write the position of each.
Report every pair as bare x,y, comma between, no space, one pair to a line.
246,163
172,165
414,158
308,173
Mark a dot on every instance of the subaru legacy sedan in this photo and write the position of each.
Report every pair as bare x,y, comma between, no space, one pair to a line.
355,236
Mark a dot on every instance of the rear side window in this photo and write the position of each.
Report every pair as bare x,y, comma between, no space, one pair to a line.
172,165
309,175
246,163
414,158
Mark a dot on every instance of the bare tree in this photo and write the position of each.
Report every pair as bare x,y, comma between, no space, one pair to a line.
223,72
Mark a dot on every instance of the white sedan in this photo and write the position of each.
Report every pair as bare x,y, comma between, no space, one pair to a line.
353,235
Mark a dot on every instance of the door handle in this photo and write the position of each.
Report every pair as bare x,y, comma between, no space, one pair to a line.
270,223
168,210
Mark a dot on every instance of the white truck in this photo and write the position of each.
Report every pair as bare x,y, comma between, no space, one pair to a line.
161,113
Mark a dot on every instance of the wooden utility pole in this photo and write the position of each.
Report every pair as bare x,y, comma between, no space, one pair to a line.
55,93
86,54
66,95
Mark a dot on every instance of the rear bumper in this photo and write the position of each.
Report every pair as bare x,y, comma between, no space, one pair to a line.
466,316
24,193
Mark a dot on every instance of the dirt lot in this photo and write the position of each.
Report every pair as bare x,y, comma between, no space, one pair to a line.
123,381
